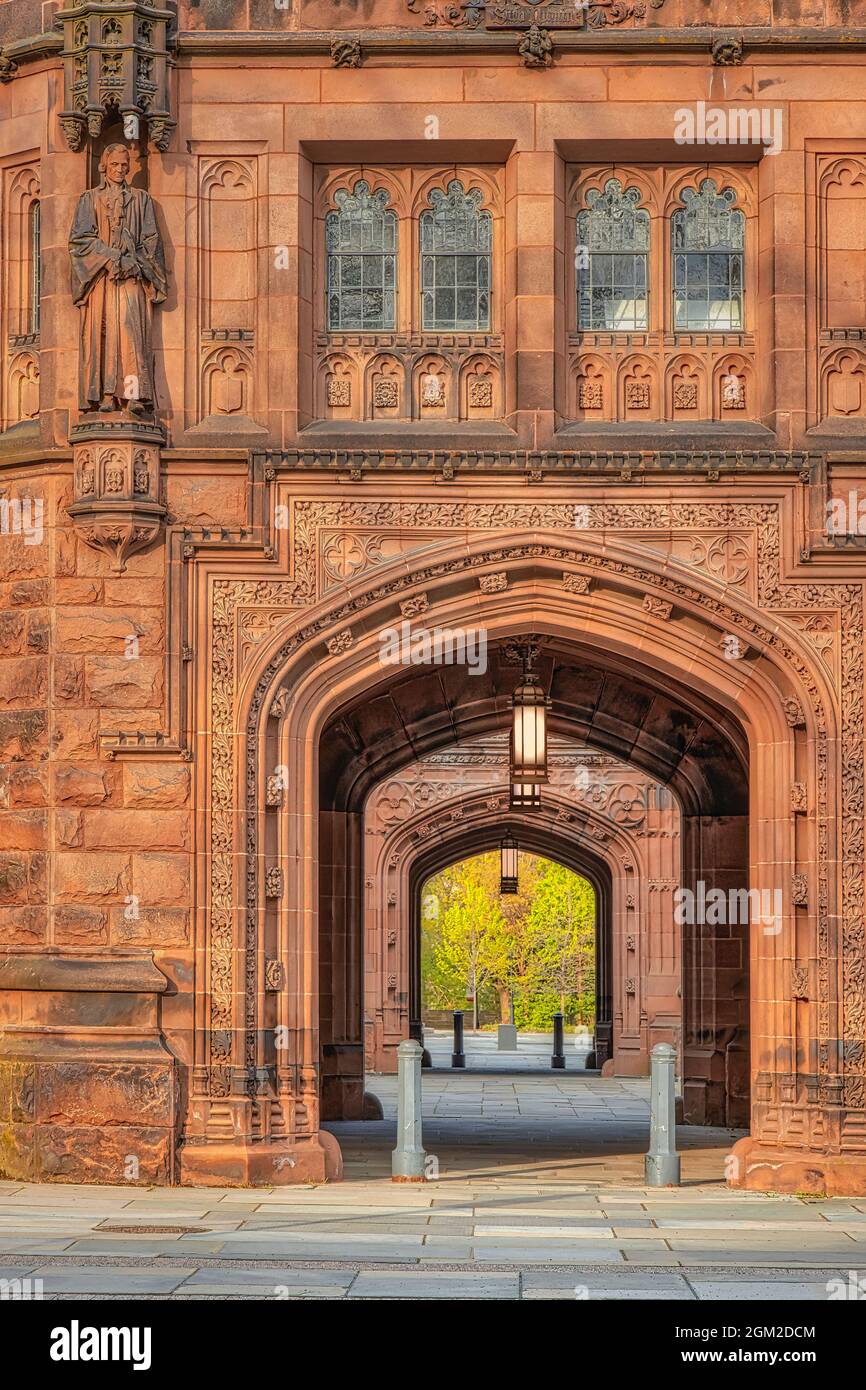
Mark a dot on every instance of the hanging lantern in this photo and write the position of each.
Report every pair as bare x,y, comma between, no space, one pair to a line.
525,796
529,730
508,865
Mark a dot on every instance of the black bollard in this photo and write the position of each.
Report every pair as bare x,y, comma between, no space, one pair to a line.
557,1061
458,1056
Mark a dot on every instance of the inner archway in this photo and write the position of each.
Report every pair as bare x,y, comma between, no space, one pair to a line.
679,738
508,961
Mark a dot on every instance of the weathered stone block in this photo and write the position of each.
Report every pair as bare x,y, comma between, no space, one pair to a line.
161,879
79,591
68,829
25,593
80,926
75,732
24,829
89,1093
92,877
23,926
102,1155
155,784
12,631
136,830
68,680
17,1092
14,877
23,734
23,682
114,683
23,786
81,786
159,926
107,630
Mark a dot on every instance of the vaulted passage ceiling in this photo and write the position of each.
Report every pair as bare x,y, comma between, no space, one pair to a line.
671,733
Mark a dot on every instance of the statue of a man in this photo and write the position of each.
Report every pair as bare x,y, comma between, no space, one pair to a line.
118,275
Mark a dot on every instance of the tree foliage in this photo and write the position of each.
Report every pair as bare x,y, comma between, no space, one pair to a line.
535,947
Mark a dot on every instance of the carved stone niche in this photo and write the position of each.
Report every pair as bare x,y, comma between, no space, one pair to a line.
117,507
115,66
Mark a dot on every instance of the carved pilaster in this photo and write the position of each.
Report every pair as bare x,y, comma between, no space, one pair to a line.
117,506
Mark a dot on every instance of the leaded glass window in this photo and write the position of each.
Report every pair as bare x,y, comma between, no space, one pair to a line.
361,236
611,257
707,237
456,246
35,266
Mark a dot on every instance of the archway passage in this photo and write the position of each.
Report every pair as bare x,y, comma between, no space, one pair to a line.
675,735
508,962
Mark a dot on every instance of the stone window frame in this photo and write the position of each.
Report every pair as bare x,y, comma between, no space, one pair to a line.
590,282
379,201
600,365
471,198
661,188
408,354
20,193
731,253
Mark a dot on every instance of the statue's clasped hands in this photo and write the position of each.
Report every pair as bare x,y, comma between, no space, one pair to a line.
126,267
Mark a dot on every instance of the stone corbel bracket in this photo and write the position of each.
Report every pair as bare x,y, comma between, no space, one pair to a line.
117,506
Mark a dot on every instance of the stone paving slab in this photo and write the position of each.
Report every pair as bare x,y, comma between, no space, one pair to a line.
69,1279
430,1285
755,1291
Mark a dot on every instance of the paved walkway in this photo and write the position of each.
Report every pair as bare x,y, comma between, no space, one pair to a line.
539,1195
482,1051
554,1127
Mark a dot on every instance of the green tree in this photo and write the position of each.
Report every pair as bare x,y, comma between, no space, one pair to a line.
562,926
535,947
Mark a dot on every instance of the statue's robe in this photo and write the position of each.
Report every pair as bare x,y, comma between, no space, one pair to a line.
116,315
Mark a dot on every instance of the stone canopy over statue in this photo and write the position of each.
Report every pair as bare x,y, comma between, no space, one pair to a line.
118,276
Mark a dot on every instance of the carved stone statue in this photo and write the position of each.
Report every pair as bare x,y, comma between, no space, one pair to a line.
118,275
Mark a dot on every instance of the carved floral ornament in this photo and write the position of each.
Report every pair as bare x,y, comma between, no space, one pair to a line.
760,519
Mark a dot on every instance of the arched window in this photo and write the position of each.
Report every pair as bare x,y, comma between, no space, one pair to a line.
361,238
707,240
35,253
456,244
611,258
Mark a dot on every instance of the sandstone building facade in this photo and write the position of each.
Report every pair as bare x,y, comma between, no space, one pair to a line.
544,320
